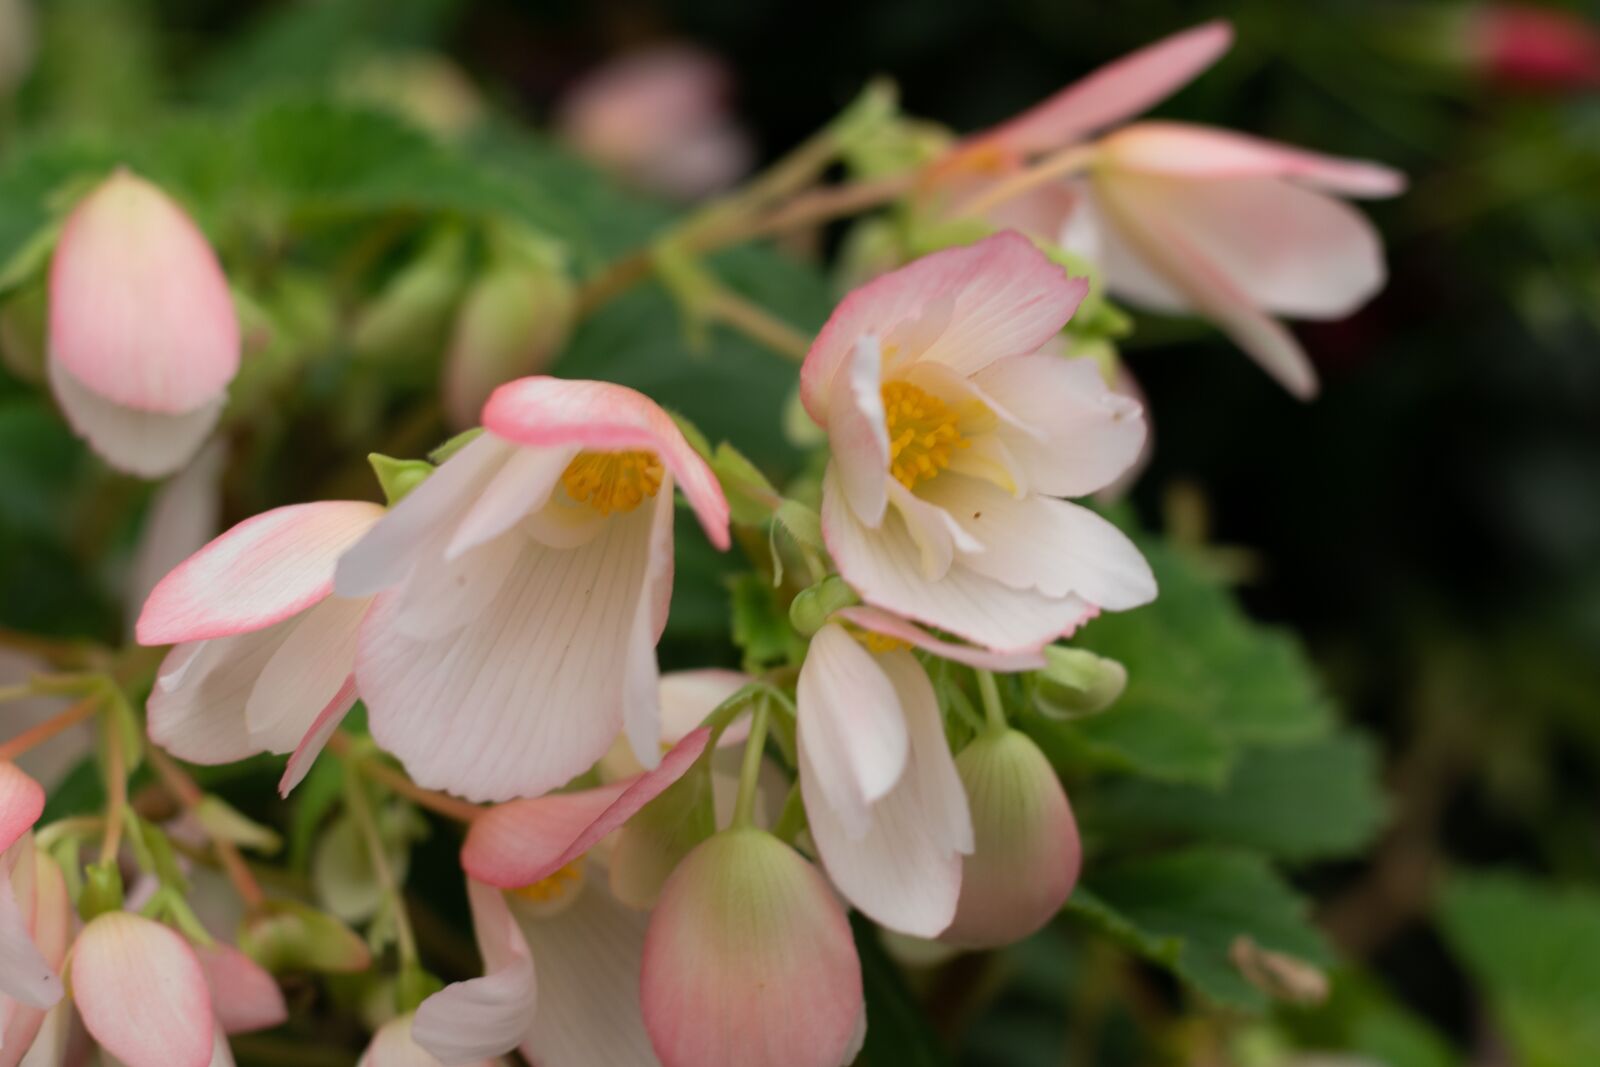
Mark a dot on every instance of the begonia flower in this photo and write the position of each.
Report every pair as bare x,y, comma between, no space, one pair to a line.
521,590
35,917
952,438
144,338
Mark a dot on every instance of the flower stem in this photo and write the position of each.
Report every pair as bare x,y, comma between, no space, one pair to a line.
395,781
187,793
361,811
44,731
993,710
744,807
116,790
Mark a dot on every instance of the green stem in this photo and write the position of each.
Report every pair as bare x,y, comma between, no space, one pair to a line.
992,708
744,807
793,817
361,811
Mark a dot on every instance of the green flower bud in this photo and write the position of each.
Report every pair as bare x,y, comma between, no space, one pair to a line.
812,608
1077,682
514,321
399,476
285,935
102,890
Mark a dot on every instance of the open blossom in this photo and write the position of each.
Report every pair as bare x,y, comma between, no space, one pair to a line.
885,806
951,438
561,953
35,917
264,654
1186,218
144,338
521,590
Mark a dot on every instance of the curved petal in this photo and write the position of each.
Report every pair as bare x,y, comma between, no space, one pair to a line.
140,311
641,688
489,1016
891,625
1188,268
196,710
26,976
244,996
316,738
525,841
148,444
1180,149
262,571
141,992
304,675
21,804
883,566
852,726
1054,547
1117,91
1087,434
394,1046
545,412
525,696
905,871
858,437
749,961
518,489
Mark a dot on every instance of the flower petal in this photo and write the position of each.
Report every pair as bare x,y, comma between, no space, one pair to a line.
858,437
148,444
1117,91
518,489
304,675
244,996
525,841
489,1016
261,572
641,687
316,738
889,624
21,804
525,696
142,993
749,961
196,710
140,311
905,871
395,1046
851,723
687,697
1180,149
184,515
542,412
26,976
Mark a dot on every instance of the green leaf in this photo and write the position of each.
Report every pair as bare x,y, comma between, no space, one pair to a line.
1185,910
1308,802
760,627
1535,950
898,1031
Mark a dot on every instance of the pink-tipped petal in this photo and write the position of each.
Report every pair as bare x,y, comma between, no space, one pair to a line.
489,1016
21,804
1188,269
749,961
196,710
858,437
1028,853
262,571
525,841
545,412
891,625
687,697
140,312
142,993
996,298
526,695
27,976
1202,152
147,444
305,674
1117,91
316,738
904,872
244,996
394,1045
852,725
184,515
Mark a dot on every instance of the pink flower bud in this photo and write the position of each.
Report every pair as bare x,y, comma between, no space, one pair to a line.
749,962
144,338
1533,47
1028,854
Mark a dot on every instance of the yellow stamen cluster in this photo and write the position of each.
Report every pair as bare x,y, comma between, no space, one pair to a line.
612,481
552,888
880,643
923,432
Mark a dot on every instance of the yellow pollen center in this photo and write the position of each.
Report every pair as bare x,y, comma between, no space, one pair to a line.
612,481
880,643
554,887
923,432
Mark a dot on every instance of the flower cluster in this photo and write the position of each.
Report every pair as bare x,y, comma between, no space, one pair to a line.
664,869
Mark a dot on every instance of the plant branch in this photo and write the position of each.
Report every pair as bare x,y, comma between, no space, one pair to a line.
187,793
44,731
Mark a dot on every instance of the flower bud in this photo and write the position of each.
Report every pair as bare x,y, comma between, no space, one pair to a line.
1534,47
102,891
1028,853
144,338
411,315
749,961
1077,682
513,323
289,936
814,606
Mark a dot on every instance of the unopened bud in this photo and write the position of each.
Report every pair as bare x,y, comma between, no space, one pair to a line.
410,317
398,476
810,611
102,890
514,321
285,935
1076,682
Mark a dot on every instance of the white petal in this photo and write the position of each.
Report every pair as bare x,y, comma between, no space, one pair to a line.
197,709
146,443
858,437
488,1016
304,674
520,488
641,693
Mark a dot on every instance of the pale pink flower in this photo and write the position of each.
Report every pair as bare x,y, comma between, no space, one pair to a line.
749,961
522,589
1028,854
1185,218
952,436
885,807
142,993
264,654
393,1046
144,338
561,953
659,117
35,918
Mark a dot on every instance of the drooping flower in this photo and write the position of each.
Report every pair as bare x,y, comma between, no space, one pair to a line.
142,993
952,437
1027,853
522,589
264,654
1185,218
885,807
144,338
659,117
561,953
749,961
35,917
